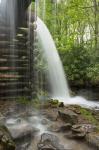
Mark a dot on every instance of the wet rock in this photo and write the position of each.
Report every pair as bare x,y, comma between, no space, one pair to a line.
93,139
49,142
22,130
87,128
72,135
2,119
61,104
6,142
68,116
23,146
54,128
78,131
95,113
65,127
52,114
44,121
59,127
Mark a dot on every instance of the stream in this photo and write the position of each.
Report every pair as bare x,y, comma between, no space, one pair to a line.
27,130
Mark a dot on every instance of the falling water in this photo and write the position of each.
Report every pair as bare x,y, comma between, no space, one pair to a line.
29,21
56,73
12,15
55,70
12,9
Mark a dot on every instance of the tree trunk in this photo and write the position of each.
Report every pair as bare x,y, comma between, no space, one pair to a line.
96,23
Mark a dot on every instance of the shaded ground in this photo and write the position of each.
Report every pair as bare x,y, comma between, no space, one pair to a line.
46,119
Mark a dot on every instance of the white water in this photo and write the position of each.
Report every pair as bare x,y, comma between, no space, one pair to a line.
83,102
55,69
56,73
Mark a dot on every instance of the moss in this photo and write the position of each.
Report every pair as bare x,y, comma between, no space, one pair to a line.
54,102
23,100
35,103
88,115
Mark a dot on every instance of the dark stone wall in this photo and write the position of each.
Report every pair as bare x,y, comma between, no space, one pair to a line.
16,58
22,6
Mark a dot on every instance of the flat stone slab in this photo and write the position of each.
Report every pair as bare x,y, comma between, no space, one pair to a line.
68,116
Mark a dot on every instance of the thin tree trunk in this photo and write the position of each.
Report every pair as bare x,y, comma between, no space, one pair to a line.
96,23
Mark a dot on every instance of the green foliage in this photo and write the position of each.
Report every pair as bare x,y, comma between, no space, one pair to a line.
76,62
74,26
93,73
26,102
23,101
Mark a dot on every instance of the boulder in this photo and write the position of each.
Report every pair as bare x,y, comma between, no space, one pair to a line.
79,131
68,116
22,130
44,121
49,142
51,114
93,139
58,127
2,119
54,128
87,128
61,104
65,127
72,135
6,142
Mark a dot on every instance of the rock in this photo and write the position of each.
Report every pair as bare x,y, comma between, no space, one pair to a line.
68,116
49,142
44,121
78,131
76,128
23,146
72,135
54,128
51,114
95,113
6,142
2,119
87,128
93,139
22,130
59,127
61,104
65,127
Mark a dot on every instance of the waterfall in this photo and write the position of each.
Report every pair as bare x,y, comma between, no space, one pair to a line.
12,22
56,73
11,19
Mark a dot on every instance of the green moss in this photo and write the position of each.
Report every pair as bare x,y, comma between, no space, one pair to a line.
54,102
23,100
88,115
36,103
